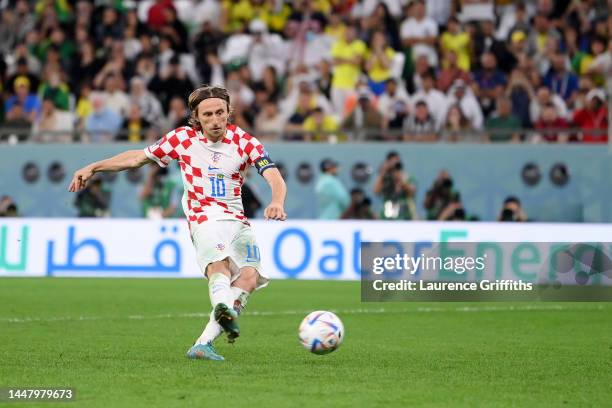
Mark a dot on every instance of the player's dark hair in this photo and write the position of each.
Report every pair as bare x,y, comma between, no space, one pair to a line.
197,96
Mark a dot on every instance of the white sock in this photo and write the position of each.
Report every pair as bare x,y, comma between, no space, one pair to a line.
213,329
219,290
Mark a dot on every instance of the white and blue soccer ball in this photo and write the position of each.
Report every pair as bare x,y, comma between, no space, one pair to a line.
321,332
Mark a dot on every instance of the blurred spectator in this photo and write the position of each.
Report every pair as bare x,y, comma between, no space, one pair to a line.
22,70
559,80
170,82
305,98
150,108
436,101
512,211
320,126
114,98
583,61
365,121
441,199
458,41
359,207
8,208
332,196
393,105
159,198
272,84
519,91
540,33
53,125
420,32
86,66
103,124
486,41
440,11
347,55
421,126
324,78
134,126
397,191
542,98
23,105
24,20
451,72
109,27
602,64
207,43
156,16
456,126
489,83
593,119
269,122
307,44
551,126
84,107
175,30
145,68
503,125
178,114
265,50
414,82
295,124
55,89
378,63
94,200
382,18
461,95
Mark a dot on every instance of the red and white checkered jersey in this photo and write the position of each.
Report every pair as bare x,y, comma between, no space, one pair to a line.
212,173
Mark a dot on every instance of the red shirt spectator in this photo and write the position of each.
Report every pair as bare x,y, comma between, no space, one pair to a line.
157,18
550,123
594,116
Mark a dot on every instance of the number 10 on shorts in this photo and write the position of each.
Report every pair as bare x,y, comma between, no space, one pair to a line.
252,253
218,186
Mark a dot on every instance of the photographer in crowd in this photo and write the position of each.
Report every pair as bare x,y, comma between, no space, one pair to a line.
359,207
442,201
396,189
512,211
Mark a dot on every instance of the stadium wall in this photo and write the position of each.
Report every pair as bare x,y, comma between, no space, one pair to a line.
484,175
294,249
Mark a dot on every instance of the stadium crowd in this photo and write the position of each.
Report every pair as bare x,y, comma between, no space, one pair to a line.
316,70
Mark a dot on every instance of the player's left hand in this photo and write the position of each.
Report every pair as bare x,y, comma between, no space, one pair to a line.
275,212
79,179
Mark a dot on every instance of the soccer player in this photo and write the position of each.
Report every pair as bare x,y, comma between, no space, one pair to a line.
213,156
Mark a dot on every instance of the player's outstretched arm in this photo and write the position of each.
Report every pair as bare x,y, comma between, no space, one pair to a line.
127,160
276,209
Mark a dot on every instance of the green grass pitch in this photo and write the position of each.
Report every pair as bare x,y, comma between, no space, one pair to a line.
122,342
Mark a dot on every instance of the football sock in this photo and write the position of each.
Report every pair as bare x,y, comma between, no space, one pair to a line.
213,329
219,290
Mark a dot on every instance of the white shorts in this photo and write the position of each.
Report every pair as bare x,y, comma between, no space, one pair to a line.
217,240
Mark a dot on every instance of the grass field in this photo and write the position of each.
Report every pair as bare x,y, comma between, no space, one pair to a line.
122,342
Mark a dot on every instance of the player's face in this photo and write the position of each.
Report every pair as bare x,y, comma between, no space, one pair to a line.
213,115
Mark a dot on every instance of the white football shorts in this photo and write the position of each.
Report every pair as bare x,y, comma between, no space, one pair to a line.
216,240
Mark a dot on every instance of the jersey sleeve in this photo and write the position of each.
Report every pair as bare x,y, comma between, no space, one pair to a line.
170,146
258,156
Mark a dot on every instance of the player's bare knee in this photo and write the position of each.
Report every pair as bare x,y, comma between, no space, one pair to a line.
218,267
248,279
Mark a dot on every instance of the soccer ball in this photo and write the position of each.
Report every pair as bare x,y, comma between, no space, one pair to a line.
321,332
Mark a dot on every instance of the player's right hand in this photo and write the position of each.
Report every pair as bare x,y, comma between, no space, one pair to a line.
79,179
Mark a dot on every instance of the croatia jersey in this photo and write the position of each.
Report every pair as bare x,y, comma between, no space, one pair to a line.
212,173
